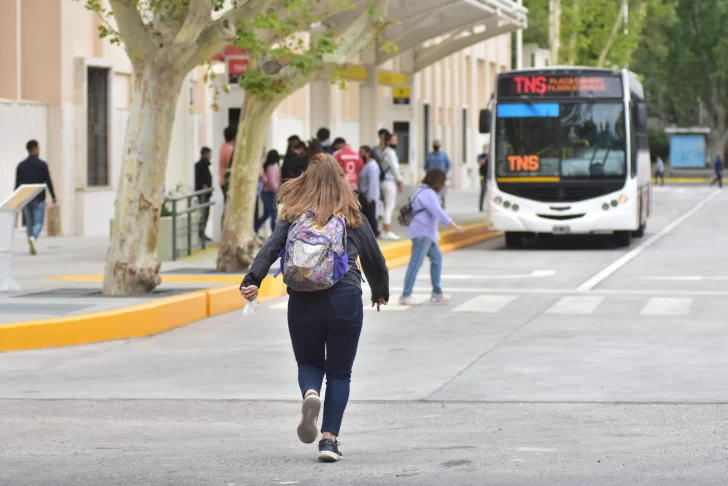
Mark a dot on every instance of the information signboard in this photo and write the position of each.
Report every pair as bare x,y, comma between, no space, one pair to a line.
8,209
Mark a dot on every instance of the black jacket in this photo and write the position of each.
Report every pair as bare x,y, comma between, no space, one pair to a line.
293,166
203,177
360,243
34,171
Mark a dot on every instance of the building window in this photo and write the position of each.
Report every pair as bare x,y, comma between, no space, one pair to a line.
97,140
401,129
465,135
426,127
191,85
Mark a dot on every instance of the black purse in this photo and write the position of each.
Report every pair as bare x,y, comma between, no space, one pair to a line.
407,212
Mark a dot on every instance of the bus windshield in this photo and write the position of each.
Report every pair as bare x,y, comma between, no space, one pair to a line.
580,140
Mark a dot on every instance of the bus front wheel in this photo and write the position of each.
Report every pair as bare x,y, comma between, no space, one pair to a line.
514,240
623,238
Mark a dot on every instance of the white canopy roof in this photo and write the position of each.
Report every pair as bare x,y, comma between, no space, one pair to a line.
431,30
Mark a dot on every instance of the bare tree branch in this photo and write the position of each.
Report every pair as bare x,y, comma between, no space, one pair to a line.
131,28
359,33
199,13
612,36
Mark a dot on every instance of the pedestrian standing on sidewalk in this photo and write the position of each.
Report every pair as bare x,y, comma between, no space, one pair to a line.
428,212
33,170
269,192
438,159
325,320
225,158
659,170
369,189
392,183
483,163
203,180
718,168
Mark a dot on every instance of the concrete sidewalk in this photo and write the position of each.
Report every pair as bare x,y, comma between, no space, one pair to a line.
44,296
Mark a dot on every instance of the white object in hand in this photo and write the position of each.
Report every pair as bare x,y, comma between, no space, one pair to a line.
250,308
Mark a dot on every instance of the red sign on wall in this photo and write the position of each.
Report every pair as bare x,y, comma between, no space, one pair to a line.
236,66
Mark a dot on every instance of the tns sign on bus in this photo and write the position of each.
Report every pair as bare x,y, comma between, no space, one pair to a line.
561,86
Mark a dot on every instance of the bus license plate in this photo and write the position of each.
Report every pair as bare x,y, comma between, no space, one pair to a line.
562,230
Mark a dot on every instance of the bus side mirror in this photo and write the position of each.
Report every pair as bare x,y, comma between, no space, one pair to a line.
640,116
485,120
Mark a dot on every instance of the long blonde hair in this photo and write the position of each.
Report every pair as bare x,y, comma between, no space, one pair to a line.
323,189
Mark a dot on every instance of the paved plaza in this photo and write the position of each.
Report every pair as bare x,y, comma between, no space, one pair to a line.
569,362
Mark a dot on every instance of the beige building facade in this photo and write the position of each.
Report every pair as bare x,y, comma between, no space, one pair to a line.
68,89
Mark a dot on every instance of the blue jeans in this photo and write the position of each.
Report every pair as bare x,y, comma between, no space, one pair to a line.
34,213
269,211
423,246
325,328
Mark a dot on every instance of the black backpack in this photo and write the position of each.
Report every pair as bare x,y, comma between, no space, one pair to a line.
377,155
407,213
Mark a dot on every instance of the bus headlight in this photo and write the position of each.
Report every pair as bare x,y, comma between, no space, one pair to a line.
614,203
515,207
623,198
507,204
497,199
605,206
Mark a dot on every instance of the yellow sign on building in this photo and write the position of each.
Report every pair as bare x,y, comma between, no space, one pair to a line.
352,72
390,78
401,95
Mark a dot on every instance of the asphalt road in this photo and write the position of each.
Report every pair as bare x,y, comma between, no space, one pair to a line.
570,362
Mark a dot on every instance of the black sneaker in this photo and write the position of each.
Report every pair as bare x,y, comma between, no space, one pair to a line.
307,430
329,450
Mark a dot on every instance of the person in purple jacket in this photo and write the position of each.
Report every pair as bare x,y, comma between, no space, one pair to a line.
428,212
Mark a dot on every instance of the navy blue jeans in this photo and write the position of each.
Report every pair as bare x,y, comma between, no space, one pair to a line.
269,211
325,328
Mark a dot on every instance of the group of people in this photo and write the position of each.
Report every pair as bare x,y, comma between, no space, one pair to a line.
326,239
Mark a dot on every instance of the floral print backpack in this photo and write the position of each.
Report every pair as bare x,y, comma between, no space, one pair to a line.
314,257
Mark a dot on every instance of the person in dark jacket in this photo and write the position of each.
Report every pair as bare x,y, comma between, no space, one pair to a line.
34,171
203,180
718,168
325,325
483,163
323,137
296,164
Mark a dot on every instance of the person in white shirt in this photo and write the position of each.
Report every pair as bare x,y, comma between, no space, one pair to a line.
391,184
660,170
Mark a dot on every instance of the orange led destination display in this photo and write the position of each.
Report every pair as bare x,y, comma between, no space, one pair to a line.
524,163
552,86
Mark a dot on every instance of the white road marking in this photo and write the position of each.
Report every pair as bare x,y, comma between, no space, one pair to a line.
486,303
534,274
557,291
629,256
667,306
575,305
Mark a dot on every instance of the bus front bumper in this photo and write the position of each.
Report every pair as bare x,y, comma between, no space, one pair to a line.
588,217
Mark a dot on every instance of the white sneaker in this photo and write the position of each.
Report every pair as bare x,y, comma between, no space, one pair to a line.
440,298
389,236
31,243
409,301
310,408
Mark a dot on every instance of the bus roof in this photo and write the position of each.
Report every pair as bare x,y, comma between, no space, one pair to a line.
563,70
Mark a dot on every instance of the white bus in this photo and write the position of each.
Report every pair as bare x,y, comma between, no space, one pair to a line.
568,154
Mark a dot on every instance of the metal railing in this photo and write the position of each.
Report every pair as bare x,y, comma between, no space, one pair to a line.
189,210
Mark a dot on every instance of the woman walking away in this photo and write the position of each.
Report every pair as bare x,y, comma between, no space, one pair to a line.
319,237
270,190
427,210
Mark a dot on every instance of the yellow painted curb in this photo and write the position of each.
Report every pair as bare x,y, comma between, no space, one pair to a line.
128,322
170,312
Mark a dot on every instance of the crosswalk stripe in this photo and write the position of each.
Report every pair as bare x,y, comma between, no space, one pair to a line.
667,306
575,305
486,303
